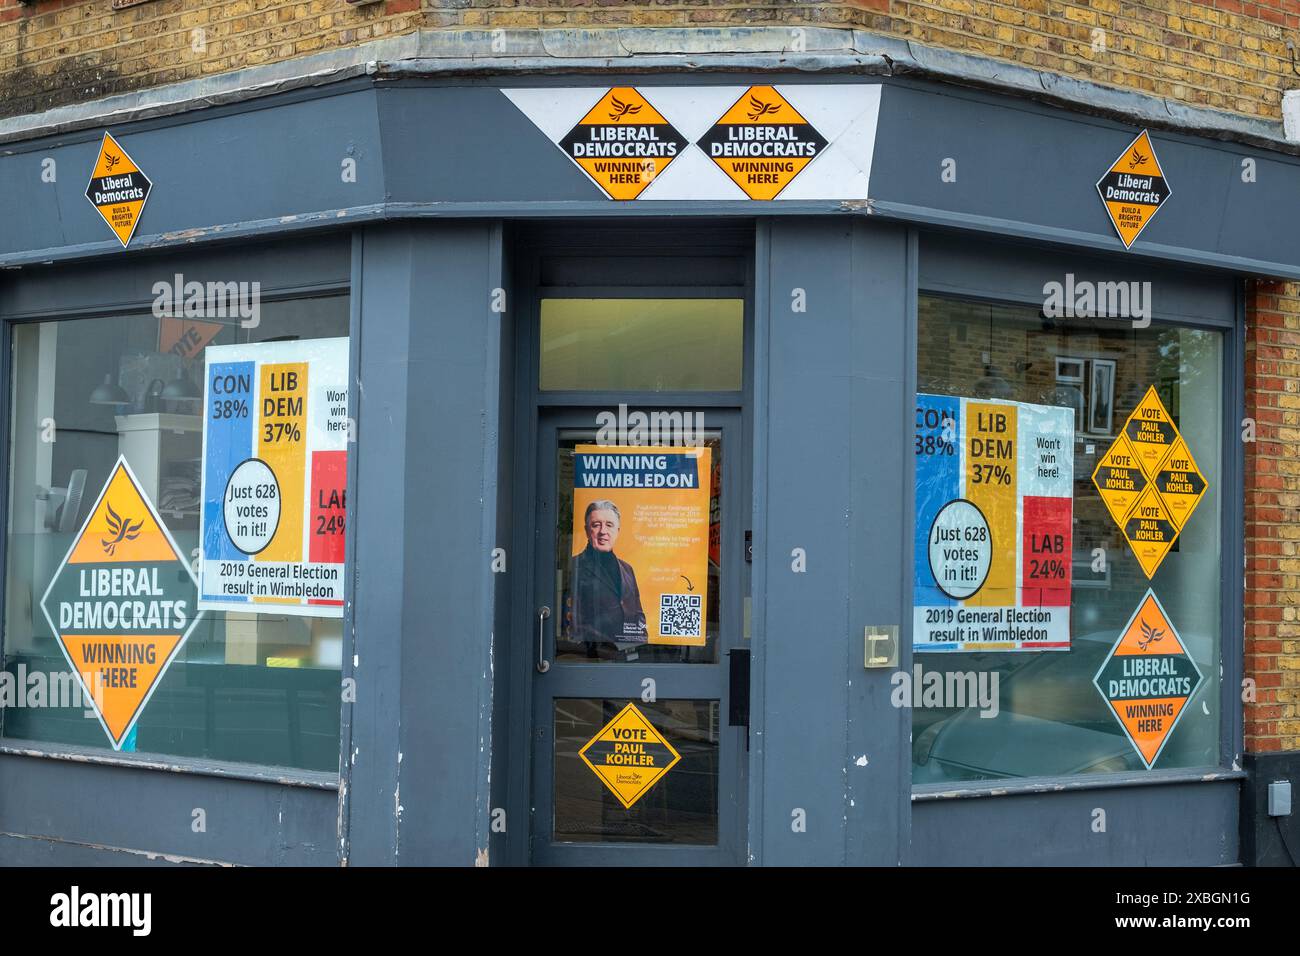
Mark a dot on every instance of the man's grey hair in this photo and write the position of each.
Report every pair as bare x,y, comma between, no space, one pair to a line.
604,504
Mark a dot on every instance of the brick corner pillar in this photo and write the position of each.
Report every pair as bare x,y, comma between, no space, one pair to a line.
1271,492
1272,500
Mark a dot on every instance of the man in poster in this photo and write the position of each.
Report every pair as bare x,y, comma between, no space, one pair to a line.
606,600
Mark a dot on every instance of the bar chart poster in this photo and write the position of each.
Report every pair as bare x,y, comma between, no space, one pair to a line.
994,518
274,477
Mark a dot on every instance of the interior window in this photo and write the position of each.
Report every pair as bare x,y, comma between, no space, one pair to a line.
652,345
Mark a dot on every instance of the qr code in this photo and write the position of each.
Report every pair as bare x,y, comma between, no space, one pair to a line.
679,615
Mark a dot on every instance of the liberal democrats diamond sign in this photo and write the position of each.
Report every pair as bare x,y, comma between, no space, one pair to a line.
122,603
629,755
1148,679
1133,189
118,189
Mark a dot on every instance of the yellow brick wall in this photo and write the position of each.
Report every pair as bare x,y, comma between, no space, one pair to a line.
1226,54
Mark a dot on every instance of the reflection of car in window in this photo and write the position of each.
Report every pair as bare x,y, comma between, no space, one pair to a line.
1052,721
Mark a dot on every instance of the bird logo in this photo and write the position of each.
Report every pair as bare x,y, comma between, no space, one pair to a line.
1137,158
110,160
759,108
121,528
622,109
1150,635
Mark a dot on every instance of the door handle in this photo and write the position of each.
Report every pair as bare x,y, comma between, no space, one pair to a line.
543,665
738,689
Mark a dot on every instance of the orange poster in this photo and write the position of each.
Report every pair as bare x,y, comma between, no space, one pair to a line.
639,571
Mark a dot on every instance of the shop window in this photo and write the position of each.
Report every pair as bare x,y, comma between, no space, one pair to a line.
1032,703
257,683
655,345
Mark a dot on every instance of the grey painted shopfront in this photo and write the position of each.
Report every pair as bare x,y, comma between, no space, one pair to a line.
434,219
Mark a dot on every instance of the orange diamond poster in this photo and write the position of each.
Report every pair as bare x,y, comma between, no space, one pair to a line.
623,143
122,603
1119,479
118,189
1148,678
762,142
1133,189
629,755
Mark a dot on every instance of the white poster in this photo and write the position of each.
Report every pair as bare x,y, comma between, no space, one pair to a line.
274,496
994,521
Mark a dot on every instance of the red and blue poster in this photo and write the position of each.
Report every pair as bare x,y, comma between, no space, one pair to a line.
994,514
275,434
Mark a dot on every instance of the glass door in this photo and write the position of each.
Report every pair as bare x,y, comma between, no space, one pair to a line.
638,729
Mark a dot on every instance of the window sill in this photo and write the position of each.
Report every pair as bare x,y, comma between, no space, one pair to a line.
940,791
282,776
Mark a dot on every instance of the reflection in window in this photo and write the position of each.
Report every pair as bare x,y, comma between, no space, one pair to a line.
257,688
1051,720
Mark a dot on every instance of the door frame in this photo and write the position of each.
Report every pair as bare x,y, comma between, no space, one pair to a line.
682,258
698,681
